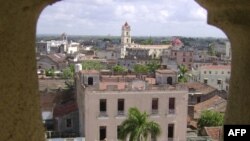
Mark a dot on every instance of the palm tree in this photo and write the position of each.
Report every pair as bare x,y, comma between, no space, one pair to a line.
182,73
137,127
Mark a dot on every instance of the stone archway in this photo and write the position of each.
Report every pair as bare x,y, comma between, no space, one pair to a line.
20,118
19,103
233,18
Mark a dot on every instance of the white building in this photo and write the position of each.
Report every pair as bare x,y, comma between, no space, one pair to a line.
217,76
155,51
73,47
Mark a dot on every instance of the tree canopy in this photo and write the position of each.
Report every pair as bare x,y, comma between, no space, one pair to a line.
137,127
118,69
92,65
182,77
138,68
152,66
210,118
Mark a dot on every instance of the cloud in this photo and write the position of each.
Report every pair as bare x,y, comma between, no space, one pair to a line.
101,17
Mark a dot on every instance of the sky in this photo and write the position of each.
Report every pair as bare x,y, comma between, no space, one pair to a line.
146,18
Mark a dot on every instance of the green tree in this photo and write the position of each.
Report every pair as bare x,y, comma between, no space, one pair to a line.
210,118
92,65
118,69
137,127
68,73
182,76
152,66
50,72
138,68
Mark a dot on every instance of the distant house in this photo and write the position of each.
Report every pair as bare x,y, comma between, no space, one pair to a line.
66,117
216,103
56,61
183,56
199,92
60,113
217,76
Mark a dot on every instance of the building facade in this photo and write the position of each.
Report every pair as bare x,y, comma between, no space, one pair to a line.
104,102
217,76
154,51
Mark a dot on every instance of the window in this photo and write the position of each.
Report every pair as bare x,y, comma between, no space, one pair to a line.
218,81
171,106
103,107
120,106
198,99
210,72
170,80
102,133
90,81
205,81
205,72
127,33
68,122
228,72
222,72
190,60
184,60
170,130
155,106
184,54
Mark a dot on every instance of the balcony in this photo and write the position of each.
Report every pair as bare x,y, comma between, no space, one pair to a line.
103,114
171,111
120,113
154,111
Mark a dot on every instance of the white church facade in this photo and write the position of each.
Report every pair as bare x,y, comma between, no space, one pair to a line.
154,51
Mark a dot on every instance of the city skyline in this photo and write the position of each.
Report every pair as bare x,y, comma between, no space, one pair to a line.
146,18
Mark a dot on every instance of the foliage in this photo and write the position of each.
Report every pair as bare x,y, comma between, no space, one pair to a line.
67,73
50,72
182,77
69,84
165,42
92,65
152,66
137,127
210,118
138,68
147,42
118,69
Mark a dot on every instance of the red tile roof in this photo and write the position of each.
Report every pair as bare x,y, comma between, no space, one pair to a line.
216,67
200,87
214,132
64,109
216,103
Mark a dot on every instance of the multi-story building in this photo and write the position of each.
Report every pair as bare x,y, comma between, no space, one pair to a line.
183,56
217,76
104,100
154,51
